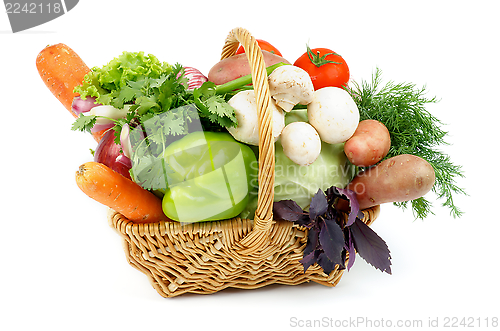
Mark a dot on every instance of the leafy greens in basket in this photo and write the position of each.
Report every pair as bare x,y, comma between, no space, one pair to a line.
150,87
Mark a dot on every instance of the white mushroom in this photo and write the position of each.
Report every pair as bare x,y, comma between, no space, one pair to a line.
247,130
301,143
290,85
334,114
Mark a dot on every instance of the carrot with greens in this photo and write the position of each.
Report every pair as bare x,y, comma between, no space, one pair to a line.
121,194
61,69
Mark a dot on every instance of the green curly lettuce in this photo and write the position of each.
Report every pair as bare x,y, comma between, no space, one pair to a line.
128,78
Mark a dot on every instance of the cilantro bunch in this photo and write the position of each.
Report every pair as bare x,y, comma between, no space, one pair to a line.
150,87
330,237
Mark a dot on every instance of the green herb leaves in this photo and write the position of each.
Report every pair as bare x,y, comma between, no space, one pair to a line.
330,238
214,107
150,87
413,130
152,136
84,123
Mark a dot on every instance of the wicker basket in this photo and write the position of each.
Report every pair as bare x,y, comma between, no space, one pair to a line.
208,257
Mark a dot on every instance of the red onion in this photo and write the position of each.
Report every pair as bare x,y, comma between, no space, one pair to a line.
108,153
194,76
82,106
125,161
100,127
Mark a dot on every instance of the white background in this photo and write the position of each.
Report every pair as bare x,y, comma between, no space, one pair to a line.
62,266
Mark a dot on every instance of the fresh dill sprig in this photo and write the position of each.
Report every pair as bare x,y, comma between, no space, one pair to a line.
401,108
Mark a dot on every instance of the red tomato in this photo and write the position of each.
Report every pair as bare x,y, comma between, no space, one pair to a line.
325,67
264,45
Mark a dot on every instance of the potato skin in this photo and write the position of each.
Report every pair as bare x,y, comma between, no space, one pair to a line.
400,178
369,144
237,66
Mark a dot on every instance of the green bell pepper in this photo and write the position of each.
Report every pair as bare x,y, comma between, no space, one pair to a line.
211,177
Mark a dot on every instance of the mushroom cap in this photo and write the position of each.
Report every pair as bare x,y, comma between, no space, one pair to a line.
290,85
301,143
334,114
247,130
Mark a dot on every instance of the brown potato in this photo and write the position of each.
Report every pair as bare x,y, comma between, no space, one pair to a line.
400,178
237,66
369,144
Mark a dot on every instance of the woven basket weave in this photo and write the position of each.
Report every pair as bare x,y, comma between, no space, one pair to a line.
208,257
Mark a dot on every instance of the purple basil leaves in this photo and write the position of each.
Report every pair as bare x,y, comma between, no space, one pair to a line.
311,251
349,246
289,210
318,206
329,239
350,196
370,246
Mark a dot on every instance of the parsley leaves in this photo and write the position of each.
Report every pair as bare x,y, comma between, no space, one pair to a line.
213,106
151,87
150,139
84,123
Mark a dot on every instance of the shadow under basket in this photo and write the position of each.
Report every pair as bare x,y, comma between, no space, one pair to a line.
207,257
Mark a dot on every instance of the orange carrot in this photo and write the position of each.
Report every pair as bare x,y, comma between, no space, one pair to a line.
61,69
119,193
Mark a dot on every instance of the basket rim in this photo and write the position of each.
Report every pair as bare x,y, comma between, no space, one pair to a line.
245,225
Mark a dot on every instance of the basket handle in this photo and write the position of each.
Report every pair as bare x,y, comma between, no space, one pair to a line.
264,213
